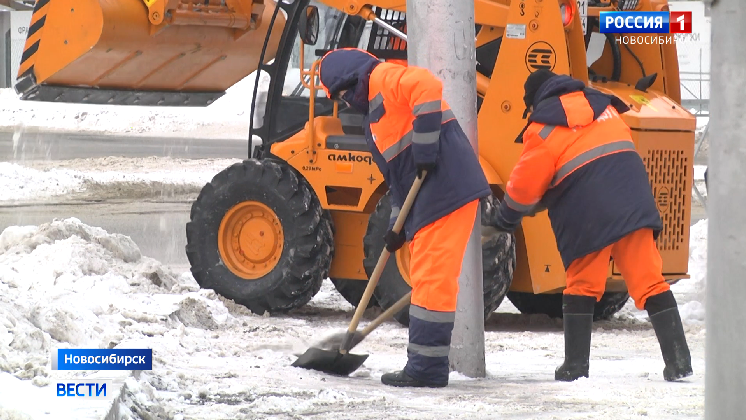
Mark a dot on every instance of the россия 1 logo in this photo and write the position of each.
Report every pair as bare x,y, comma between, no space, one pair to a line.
646,22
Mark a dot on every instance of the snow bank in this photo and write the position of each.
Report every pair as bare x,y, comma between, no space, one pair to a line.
690,293
226,118
124,177
65,284
699,172
62,284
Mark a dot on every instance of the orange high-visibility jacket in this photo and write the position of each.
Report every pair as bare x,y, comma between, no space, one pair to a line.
579,162
407,123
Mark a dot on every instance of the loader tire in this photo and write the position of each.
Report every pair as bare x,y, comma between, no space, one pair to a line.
498,262
551,304
352,291
257,235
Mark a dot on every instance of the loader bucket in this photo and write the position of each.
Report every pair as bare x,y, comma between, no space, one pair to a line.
109,51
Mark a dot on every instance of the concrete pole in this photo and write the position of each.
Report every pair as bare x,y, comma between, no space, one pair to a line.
725,366
441,39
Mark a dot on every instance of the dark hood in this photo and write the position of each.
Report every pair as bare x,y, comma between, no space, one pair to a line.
548,108
348,68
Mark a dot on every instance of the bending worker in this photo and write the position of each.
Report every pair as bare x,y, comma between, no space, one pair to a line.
410,129
580,163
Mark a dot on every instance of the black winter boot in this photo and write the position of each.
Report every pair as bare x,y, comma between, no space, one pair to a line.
664,315
577,313
401,379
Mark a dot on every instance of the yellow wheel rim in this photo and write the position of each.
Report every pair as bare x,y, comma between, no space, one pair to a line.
250,240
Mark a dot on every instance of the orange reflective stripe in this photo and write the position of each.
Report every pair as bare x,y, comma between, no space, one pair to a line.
374,103
414,92
396,147
568,145
589,156
448,114
419,86
427,107
577,109
524,208
389,151
432,316
546,131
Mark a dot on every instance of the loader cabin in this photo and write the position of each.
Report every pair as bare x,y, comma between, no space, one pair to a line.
152,60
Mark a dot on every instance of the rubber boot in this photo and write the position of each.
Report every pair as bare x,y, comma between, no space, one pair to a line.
401,379
664,315
577,313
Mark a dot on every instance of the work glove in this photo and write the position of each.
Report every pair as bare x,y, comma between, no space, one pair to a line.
394,241
425,167
536,209
503,225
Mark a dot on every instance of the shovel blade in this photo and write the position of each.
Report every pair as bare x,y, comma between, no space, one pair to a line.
332,362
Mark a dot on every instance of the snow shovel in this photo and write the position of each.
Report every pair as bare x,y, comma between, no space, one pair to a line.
334,358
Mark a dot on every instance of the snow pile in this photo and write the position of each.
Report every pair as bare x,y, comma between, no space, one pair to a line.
228,117
20,183
120,177
66,284
63,284
690,293
699,183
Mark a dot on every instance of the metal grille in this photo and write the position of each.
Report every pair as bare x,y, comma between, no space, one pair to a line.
668,173
384,44
627,5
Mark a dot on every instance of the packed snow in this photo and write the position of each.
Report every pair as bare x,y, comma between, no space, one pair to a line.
35,180
693,291
66,284
106,177
226,118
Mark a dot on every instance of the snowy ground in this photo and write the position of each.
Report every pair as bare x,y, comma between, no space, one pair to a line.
65,284
227,118
103,178
24,181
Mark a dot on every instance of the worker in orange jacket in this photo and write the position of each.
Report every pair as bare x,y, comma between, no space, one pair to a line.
411,129
580,163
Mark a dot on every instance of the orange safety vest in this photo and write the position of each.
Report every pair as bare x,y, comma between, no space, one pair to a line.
408,123
551,153
580,163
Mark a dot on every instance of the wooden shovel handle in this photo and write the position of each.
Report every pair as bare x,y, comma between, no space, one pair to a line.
373,282
388,314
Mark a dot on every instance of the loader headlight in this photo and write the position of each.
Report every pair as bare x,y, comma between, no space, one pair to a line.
566,11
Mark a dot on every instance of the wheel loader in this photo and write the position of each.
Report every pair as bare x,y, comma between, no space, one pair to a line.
308,203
